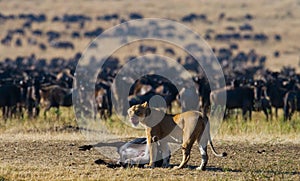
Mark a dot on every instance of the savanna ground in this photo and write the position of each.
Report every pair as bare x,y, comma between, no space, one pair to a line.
47,149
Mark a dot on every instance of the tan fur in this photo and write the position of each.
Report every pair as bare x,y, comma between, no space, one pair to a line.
186,128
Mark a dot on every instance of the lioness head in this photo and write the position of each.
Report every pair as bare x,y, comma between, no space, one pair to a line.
137,113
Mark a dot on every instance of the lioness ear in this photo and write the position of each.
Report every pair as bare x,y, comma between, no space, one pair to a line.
145,104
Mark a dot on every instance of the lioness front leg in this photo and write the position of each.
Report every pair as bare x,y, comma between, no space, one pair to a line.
152,152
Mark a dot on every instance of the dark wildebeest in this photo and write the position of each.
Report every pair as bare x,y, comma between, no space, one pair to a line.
291,104
103,102
189,99
237,98
32,99
276,94
10,99
150,85
204,93
169,92
56,96
261,102
139,99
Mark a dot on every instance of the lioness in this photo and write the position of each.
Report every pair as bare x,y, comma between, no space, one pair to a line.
186,128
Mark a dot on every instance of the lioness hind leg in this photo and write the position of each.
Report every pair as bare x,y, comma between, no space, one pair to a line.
187,144
204,158
185,158
202,142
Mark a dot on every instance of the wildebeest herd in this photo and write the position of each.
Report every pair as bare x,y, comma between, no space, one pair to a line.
27,82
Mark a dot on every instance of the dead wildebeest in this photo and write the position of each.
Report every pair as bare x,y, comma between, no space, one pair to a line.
236,98
132,153
55,96
291,104
136,153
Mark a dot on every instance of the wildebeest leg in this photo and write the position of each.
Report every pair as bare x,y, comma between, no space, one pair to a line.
244,110
206,109
271,114
37,111
46,110
57,112
109,111
10,111
266,113
30,109
102,114
169,108
250,114
276,112
20,111
13,112
292,112
4,113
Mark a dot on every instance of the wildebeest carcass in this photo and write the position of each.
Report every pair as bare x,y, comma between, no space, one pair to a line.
56,96
237,98
135,152
132,153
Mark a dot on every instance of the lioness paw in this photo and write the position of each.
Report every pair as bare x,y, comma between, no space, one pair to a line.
149,166
176,168
202,168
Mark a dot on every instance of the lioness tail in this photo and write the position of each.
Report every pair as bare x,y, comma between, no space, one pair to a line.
224,154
